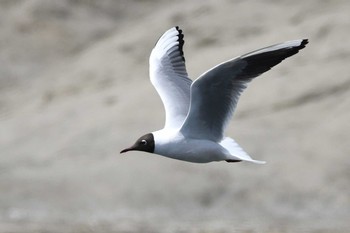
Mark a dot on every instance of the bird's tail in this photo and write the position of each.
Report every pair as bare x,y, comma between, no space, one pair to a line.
236,151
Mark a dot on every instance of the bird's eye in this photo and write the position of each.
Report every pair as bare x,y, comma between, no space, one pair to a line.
143,142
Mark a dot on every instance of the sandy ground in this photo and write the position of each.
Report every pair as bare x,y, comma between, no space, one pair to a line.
74,91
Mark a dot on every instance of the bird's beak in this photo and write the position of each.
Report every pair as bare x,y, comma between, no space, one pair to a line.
127,149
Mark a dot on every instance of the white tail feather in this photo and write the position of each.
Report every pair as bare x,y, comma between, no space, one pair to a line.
236,151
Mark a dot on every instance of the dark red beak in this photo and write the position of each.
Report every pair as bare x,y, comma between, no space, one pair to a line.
127,149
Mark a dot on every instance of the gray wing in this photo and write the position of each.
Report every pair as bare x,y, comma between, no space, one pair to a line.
214,95
169,76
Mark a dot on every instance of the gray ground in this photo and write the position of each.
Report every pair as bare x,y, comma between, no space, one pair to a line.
74,91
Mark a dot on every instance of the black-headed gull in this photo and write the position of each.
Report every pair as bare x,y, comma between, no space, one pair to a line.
198,112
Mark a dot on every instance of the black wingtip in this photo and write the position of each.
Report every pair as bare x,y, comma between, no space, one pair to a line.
258,63
303,43
296,49
181,42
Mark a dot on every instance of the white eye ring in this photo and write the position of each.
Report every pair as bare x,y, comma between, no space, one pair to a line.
143,142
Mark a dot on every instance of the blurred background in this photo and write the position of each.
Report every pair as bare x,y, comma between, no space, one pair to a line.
74,91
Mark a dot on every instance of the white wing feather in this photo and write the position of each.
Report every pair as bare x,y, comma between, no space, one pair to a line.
169,76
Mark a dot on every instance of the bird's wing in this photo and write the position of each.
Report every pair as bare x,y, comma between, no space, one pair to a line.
169,76
214,95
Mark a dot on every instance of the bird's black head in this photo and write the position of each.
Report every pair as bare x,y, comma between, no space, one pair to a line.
144,143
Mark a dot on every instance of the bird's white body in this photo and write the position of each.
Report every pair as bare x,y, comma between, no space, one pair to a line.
173,144
198,112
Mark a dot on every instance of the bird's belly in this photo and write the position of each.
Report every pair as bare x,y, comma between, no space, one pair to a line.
197,151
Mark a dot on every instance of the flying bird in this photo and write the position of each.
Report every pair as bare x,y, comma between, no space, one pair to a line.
198,112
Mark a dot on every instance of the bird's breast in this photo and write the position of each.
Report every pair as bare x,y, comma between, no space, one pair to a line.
191,150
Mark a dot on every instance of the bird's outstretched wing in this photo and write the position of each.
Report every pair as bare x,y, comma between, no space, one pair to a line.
169,76
214,95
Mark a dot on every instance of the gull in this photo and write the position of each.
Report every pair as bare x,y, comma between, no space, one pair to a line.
197,113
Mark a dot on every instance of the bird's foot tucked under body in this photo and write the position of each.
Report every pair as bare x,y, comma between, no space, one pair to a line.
233,161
